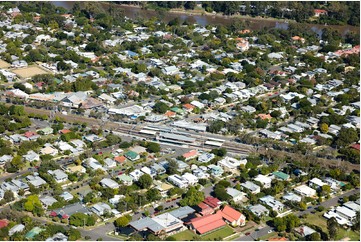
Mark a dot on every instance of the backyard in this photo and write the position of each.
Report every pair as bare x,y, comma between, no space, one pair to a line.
318,220
219,234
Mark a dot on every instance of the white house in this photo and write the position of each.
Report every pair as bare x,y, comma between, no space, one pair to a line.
59,175
236,195
264,180
190,178
178,181
305,191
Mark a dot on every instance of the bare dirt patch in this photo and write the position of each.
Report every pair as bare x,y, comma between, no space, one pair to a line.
4,64
29,71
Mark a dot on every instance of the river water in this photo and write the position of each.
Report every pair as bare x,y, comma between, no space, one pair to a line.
203,20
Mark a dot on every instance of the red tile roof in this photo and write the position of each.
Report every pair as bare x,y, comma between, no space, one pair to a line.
120,159
230,214
170,114
29,134
4,223
356,146
191,153
212,202
320,11
208,223
64,131
205,209
188,106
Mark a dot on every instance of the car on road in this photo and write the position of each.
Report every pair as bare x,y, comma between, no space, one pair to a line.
309,207
270,231
248,233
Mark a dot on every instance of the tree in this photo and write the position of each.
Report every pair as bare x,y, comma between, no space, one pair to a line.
160,107
314,237
332,227
153,194
324,128
276,114
17,110
74,234
346,137
219,152
221,193
153,147
31,202
192,197
172,167
122,221
303,206
145,181
9,196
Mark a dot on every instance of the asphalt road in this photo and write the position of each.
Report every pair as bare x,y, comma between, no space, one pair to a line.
328,203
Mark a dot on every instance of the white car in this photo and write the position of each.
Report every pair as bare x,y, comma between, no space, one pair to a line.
270,231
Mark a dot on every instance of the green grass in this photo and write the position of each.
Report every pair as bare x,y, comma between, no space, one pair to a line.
270,235
320,221
316,219
342,233
184,235
221,233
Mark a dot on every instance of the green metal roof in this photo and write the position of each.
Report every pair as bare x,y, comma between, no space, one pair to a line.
33,232
131,155
281,175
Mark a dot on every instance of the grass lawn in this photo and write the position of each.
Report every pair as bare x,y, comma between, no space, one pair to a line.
221,233
184,235
316,219
270,235
342,233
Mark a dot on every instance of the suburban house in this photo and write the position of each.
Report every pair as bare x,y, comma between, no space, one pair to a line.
165,223
305,191
264,180
250,186
59,175
259,210
273,203
131,155
236,195
191,155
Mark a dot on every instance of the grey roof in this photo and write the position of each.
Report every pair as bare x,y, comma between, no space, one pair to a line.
73,208
20,184
142,223
182,212
233,192
36,181
176,137
48,200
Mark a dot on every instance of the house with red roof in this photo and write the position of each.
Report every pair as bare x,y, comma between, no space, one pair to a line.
188,107
64,131
120,159
191,155
204,209
4,223
207,224
232,216
170,114
213,202
319,12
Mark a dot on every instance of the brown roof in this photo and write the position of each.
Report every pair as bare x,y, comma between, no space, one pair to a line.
212,202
